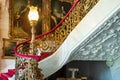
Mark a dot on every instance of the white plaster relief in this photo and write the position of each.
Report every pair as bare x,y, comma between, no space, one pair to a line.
103,44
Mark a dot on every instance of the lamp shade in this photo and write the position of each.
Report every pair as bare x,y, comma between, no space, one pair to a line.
33,14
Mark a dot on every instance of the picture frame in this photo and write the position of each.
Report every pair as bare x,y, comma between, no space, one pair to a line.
8,48
18,16
18,19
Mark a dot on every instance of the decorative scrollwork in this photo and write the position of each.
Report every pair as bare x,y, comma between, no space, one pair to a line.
32,71
60,34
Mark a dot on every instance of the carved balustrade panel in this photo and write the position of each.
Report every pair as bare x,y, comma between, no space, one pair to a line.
52,41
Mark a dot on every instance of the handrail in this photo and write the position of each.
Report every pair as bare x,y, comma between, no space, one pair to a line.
53,29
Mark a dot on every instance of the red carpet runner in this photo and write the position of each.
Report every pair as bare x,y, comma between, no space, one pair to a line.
9,74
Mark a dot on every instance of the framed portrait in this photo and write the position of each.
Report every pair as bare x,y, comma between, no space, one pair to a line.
8,48
50,13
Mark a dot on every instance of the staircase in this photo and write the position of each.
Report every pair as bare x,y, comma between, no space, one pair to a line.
89,24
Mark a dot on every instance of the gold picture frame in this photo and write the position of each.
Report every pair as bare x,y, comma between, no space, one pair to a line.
18,19
18,16
8,48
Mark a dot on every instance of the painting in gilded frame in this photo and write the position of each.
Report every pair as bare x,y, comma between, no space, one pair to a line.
8,48
50,13
19,22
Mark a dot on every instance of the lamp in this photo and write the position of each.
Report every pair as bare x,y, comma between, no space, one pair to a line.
33,72
33,18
